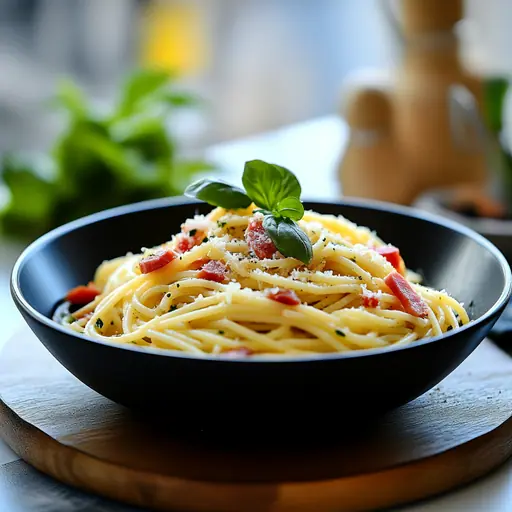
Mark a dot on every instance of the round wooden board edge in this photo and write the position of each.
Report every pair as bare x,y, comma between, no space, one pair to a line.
426,478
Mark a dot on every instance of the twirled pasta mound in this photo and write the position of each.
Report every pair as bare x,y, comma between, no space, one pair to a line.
221,287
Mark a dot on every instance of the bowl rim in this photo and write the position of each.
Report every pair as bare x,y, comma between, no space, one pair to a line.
153,204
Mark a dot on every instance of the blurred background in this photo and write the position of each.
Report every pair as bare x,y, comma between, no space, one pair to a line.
260,64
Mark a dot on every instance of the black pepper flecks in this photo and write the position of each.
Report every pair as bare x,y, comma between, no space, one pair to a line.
339,332
168,295
192,232
99,323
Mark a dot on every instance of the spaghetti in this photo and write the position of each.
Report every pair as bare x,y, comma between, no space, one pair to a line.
221,287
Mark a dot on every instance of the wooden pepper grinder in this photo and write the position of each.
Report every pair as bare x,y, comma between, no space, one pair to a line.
430,65
370,166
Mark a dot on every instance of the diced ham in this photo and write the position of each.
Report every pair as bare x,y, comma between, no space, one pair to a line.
287,297
196,265
185,242
258,239
157,260
370,299
410,300
213,271
82,294
392,254
238,352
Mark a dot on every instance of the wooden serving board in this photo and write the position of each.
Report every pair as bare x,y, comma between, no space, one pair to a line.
455,433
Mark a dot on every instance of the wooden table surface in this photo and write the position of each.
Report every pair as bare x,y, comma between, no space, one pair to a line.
312,150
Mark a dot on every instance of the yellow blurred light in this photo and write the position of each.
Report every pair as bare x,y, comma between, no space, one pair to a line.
173,37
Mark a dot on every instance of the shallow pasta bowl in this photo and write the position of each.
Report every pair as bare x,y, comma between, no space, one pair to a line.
448,256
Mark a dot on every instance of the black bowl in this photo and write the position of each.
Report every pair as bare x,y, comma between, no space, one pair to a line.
448,255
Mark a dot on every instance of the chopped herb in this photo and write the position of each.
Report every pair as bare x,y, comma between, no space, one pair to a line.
324,239
99,323
192,232
147,339
173,308
460,323
221,224
360,278
205,239
221,332
339,332
168,295
449,328
353,259
70,319
177,285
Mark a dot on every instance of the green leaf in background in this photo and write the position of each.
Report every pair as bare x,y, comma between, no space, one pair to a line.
267,184
77,167
180,99
290,207
218,193
102,160
72,98
29,180
139,87
145,133
494,90
289,238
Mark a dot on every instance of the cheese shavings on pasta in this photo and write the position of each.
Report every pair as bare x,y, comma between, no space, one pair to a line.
221,287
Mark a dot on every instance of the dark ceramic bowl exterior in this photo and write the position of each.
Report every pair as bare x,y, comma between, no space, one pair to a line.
448,255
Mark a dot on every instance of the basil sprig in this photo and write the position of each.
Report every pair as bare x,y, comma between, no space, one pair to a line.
267,184
218,193
276,192
289,239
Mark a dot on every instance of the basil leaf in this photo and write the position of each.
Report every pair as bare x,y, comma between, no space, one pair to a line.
267,184
218,193
290,207
289,239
